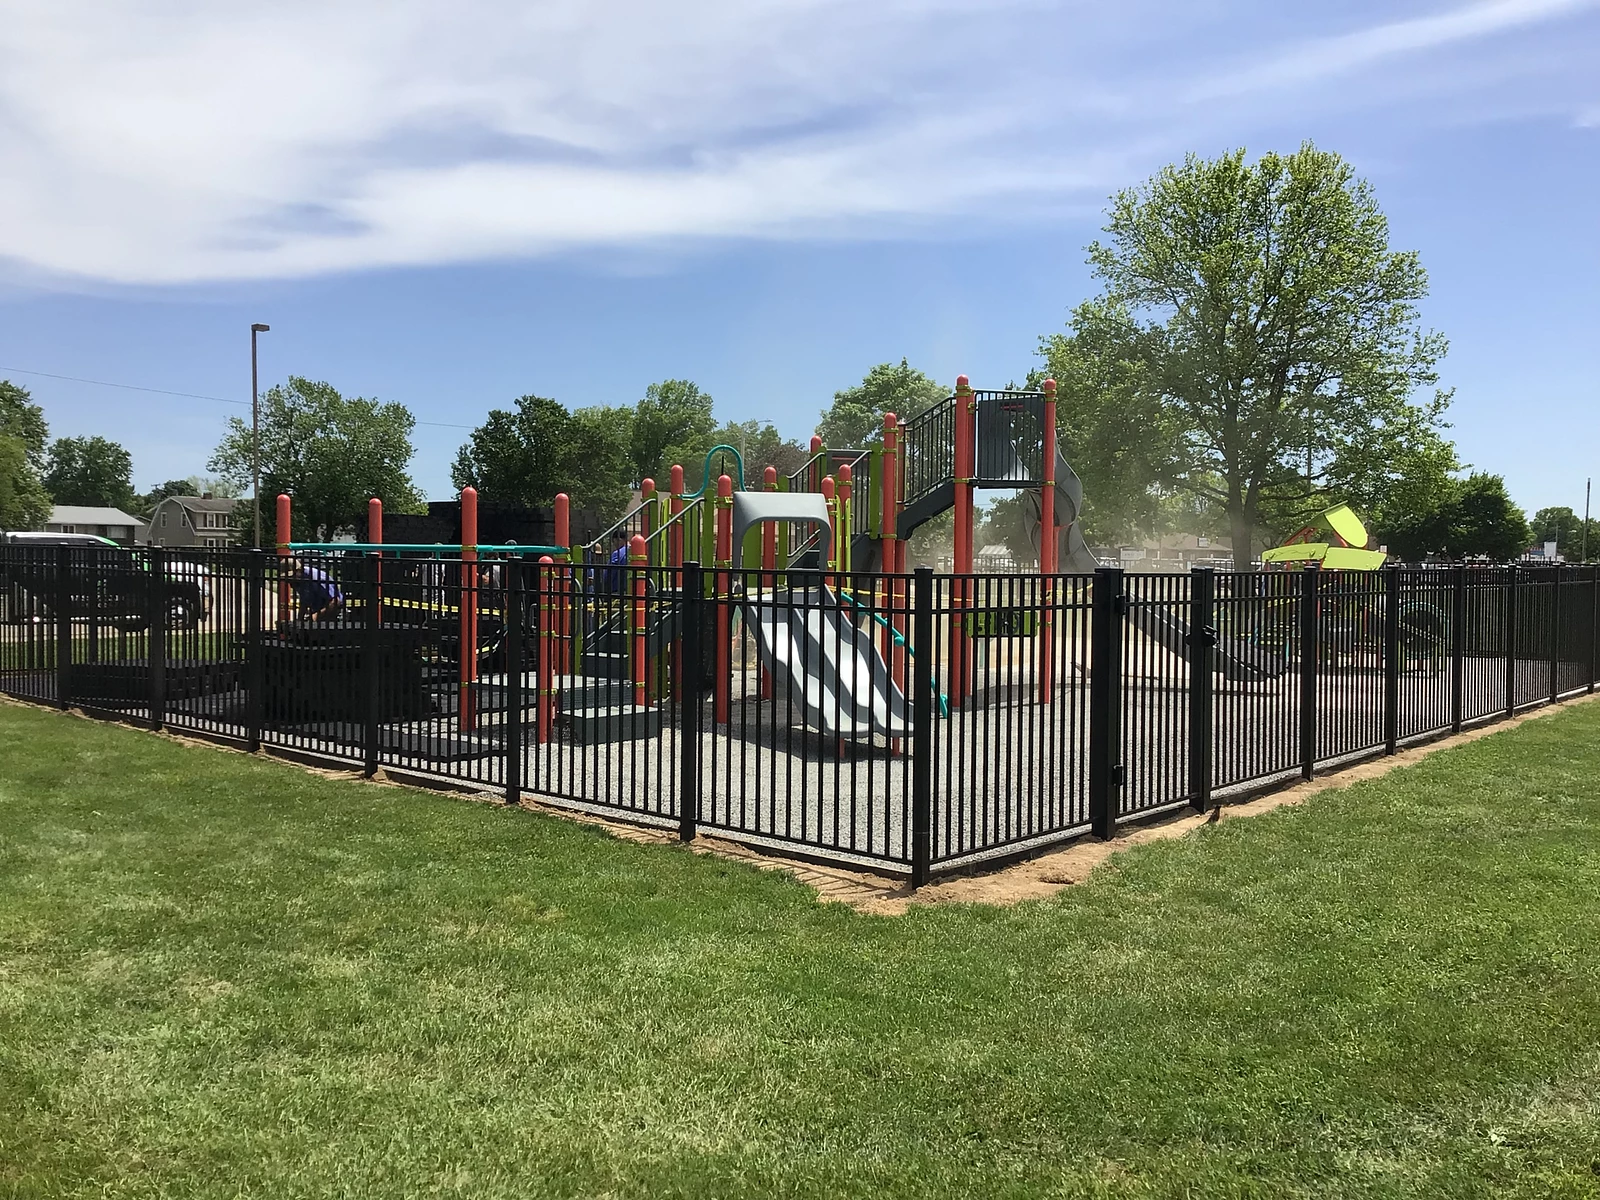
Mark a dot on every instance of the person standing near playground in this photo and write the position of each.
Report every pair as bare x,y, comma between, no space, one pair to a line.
315,592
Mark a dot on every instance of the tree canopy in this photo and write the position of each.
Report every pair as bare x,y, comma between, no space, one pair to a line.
527,455
331,453
672,423
90,470
24,503
1257,344
855,418
1471,517
1565,528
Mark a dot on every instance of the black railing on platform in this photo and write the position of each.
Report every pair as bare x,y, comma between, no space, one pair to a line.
905,723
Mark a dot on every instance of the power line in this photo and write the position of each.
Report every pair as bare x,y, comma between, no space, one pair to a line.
133,387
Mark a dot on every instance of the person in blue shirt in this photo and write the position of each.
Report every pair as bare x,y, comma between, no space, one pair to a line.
316,592
616,573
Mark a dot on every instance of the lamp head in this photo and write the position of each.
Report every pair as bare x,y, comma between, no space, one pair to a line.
260,328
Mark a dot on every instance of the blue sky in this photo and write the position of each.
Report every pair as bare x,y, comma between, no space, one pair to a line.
451,205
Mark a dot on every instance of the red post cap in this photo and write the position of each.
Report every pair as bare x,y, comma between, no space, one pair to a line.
1050,387
636,548
646,486
816,443
961,383
724,486
677,479
769,477
827,487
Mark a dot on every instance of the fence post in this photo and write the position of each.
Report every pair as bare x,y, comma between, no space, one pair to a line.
1105,701
1555,633
1391,658
690,682
370,674
1310,584
1511,640
1458,644
515,608
255,583
921,726
1202,682
156,581
1594,627
64,627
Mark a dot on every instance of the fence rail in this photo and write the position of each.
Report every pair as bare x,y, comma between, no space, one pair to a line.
907,723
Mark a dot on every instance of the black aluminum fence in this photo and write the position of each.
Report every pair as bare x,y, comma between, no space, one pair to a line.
906,723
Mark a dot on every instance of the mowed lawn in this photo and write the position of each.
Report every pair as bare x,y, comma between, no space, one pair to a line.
222,976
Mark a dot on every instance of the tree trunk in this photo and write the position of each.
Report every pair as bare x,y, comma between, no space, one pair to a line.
1241,528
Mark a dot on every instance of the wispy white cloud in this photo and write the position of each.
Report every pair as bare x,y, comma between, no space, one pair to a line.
1322,58
189,141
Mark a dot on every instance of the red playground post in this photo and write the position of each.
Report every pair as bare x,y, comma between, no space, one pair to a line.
846,523
675,500
563,589
467,651
769,564
965,469
1047,549
375,536
638,559
546,660
724,566
817,472
285,526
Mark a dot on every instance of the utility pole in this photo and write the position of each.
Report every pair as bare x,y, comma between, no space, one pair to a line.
1583,538
255,435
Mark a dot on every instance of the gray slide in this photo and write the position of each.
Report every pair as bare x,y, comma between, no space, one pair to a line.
809,640
831,668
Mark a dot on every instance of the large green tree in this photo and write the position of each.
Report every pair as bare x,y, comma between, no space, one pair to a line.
529,454
24,502
329,452
672,423
855,418
90,470
1473,517
1261,340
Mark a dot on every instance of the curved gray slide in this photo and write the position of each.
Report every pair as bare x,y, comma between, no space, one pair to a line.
830,667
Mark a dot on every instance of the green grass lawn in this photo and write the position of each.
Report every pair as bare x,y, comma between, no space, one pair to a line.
222,976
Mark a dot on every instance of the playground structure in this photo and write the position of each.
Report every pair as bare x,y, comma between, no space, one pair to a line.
805,575
759,662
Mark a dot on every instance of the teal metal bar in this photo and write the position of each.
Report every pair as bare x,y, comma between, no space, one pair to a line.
427,547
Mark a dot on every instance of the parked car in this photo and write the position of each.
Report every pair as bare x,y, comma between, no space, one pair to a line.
105,582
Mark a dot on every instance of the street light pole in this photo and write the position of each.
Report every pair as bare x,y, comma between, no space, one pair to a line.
255,436
1583,540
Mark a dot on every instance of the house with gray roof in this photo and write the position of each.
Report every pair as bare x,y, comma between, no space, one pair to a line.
110,523
194,521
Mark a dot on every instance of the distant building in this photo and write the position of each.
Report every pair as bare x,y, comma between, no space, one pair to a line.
110,523
194,521
1171,552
